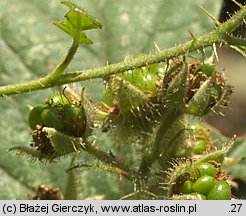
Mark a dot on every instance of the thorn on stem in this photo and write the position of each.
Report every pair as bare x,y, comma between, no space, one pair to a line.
237,3
217,23
215,52
192,34
157,47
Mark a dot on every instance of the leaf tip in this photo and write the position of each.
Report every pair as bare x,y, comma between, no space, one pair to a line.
78,21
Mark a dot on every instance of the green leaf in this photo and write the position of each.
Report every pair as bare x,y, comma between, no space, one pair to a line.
77,21
30,47
238,153
62,143
200,101
177,89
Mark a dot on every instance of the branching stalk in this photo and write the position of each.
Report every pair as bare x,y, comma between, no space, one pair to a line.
109,159
65,61
218,36
149,159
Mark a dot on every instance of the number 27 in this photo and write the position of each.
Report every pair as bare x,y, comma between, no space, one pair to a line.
236,207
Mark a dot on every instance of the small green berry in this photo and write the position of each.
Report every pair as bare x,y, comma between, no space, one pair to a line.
157,69
71,111
220,191
57,100
186,187
148,82
74,119
199,146
143,79
134,76
203,184
34,117
205,168
51,118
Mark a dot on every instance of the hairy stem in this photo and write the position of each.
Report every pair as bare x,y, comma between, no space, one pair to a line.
218,36
107,168
149,159
44,82
65,61
109,159
71,189
231,40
